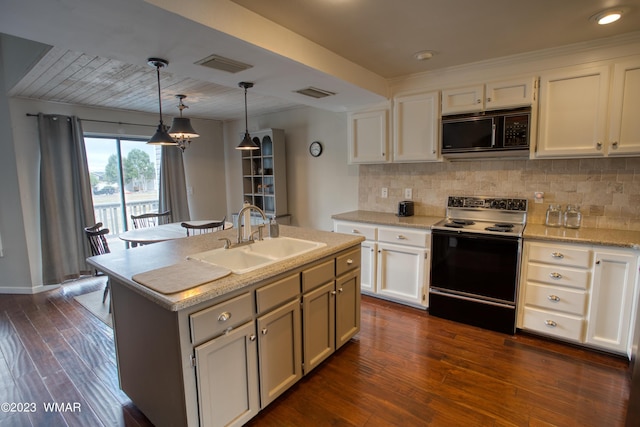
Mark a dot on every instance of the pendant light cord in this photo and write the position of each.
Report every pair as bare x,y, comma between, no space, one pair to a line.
159,95
246,119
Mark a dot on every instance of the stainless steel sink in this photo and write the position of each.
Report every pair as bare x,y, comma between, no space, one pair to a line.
243,259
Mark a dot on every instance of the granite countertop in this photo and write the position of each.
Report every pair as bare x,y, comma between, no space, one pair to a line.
123,265
383,218
592,236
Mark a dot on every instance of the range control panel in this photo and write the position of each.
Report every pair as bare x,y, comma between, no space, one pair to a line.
487,203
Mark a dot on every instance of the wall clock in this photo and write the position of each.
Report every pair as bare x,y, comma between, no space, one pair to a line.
315,148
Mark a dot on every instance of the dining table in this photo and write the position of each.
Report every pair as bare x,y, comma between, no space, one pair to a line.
162,233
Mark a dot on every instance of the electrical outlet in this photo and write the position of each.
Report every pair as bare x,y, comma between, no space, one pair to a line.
408,194
538,197
385,192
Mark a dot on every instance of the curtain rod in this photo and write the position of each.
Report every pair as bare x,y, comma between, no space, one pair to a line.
103,121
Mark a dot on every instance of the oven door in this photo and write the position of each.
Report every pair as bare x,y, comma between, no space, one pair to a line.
475,265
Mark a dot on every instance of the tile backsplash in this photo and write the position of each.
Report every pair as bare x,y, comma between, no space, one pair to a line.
607,190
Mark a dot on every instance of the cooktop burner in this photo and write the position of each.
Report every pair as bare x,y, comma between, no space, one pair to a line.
502,227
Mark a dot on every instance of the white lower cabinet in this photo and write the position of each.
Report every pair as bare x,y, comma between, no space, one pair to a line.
395,261
579,293
612,297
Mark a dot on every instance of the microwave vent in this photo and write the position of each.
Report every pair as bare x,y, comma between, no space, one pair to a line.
221,63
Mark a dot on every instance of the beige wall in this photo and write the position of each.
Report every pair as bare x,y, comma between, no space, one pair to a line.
608,190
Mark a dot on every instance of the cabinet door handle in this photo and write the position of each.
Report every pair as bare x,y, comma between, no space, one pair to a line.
599,145
478,101
401,237
264,331
252,337
224,316
333,292
349,261
340,290
598,262
614,144
554,298
556,276
355,231
557,255
550,323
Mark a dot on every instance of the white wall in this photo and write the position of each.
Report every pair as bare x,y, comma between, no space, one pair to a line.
316,187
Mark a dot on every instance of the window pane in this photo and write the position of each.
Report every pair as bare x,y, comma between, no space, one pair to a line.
141,169
104,170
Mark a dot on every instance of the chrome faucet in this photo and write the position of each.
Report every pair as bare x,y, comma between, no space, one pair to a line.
240,240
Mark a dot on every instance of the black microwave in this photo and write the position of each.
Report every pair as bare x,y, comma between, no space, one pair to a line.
502,133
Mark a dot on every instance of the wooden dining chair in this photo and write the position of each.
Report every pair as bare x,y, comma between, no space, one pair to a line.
204,228
151,219
99,246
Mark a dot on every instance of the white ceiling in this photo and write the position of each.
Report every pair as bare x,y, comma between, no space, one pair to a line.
350,47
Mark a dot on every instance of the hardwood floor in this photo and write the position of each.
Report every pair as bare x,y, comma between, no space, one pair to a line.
404,368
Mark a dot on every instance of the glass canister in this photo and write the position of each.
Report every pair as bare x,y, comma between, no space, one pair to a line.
572,217
554,216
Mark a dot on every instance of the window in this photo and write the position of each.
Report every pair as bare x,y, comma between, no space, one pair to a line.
124,178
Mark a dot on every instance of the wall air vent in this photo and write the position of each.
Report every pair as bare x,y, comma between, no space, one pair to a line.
224,64
314,92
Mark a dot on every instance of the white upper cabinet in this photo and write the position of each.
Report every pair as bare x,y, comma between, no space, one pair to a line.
511,93
416,127
368,137
624,126
491,96
468,99
573,112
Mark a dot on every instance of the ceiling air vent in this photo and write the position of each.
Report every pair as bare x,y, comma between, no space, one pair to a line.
225,64
314,92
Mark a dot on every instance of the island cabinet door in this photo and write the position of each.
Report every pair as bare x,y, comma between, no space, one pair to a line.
280,350
347,307
318,323
227,376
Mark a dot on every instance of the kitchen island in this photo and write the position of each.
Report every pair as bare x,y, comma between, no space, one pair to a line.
219,352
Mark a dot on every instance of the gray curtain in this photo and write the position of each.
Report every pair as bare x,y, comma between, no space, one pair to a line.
173,186
65,198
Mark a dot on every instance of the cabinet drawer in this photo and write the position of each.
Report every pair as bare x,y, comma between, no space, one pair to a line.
318,275
213,321
274,294
555,298
357,228
552,323
555,275
404,236
348,262
560,255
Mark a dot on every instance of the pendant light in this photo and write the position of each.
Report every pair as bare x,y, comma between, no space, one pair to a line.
161,137
181,130
247,143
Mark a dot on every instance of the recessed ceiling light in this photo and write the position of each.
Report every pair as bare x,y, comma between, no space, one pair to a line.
608,16
423,56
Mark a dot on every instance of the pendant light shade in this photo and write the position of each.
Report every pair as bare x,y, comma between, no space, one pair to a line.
181,130
247,143
161,137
